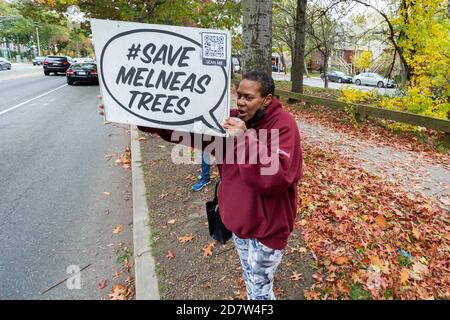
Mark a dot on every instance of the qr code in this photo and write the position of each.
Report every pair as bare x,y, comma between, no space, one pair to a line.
214,46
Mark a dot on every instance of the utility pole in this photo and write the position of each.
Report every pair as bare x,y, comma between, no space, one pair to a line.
36,25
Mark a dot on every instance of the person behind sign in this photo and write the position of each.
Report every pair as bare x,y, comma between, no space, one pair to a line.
205,178
259,209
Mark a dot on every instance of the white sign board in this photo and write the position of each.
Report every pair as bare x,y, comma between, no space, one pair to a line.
164,76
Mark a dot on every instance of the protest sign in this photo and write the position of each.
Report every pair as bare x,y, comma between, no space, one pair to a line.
164,76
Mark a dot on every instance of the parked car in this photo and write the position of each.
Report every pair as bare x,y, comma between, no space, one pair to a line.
370,78
85,59
82,72
5,64
88,59
38,61
337,76
56,64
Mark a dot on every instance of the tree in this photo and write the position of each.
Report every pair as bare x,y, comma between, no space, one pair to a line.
419,30
298,65
222,14
324,29
257,35
283,34
364,61
283,27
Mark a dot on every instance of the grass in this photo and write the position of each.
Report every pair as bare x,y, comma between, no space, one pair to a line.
123,257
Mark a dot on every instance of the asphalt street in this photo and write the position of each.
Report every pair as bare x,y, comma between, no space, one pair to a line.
54,216
316,82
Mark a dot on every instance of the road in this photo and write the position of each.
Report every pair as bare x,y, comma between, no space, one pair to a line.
317,82
54,216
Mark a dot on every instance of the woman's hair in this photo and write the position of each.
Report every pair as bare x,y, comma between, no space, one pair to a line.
265,80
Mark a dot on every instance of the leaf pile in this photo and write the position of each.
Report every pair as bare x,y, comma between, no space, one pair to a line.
370,239
426,141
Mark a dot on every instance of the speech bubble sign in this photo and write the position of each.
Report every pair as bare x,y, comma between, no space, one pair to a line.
164,76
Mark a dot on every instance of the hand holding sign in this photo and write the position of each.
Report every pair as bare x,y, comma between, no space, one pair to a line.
162,76
234,126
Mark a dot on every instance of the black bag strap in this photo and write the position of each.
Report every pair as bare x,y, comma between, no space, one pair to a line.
215,191
217,186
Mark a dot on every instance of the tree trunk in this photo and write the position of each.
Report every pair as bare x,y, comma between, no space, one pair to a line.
298,65
325,68
257,36
448,9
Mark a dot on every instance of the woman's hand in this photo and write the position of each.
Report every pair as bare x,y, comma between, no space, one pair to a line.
234,126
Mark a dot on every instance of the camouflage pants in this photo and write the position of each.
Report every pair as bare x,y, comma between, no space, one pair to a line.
259,264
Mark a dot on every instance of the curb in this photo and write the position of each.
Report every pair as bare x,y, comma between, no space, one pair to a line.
146,282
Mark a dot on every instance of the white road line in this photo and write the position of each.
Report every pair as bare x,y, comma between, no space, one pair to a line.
25,102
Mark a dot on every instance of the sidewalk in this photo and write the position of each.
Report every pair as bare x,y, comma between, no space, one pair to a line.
358,205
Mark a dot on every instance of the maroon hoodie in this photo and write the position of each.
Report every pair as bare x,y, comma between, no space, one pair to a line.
253,204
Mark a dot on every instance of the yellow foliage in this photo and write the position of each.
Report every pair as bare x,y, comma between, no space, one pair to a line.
351,95
425,40
364,60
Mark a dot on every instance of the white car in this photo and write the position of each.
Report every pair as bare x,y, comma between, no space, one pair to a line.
5,64
374,79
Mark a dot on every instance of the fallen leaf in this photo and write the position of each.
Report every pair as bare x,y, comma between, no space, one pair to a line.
419,269
301,250
172,221
118,229
163,195
208,249
296,276
119,292
381,222
341,261
416,233
107,193
404,275
116,275
278,292
170,255
241,294
318,277
186,238
311,295
376,261
102,284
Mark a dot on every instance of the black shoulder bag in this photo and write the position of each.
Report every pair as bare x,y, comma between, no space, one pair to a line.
217,229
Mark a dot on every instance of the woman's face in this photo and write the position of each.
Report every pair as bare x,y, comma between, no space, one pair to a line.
250,99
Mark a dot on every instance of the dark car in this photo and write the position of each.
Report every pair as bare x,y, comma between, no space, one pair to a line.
337,76
38,61
56,64
82,72
5,64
